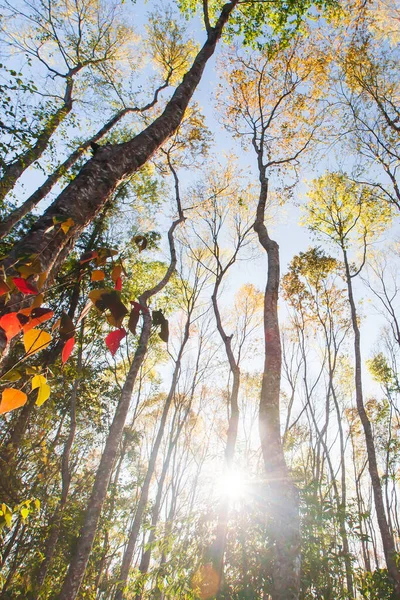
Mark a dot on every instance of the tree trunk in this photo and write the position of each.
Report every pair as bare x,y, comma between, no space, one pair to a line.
389,548
283,496
85,196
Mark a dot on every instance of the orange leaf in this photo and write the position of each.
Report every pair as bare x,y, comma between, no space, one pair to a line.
38,316
66,351
98,275
11,325
116,272
12,399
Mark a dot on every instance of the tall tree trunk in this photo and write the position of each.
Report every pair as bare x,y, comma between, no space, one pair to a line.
84,197
389,548
13,172
283,495
94,508
144,494
218,547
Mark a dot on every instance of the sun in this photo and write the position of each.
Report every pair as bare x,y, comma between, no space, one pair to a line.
232,485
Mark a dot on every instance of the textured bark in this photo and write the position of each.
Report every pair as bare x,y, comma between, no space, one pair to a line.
284,502
94,508
13,172
144,494
84,197
389,548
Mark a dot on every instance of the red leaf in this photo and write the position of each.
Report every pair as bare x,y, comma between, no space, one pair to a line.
118,284
113,340
24,286
66,351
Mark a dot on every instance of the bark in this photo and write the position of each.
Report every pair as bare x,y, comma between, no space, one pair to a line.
284,501
13,172
85,196
79,560
144,495
389,548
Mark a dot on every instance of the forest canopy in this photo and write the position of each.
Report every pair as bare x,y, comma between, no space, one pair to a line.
199,297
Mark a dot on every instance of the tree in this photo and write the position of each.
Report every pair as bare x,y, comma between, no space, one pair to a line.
345,213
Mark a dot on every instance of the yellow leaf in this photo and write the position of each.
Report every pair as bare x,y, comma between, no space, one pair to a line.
24,512
12,399
39,381
66,225
35,340
98,275
41,280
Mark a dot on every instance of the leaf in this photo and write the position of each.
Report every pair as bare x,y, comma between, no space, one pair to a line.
141,242
134,317
158,317
66,351
38,300
35,340
12,399
88,256
4,287
67,328
113,302
98,275
11,325
24,513
24,286
96,297
66,225
164,333
40,382
113,340
85,311
12,375
38,315
116,273
118,284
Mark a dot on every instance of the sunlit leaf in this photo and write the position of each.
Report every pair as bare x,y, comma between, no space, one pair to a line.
13,375
113,340
24,513
24,286
66,351
35,340
11,325
66,225
12,399
98,275
37,316
118,284
116,273
40,382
